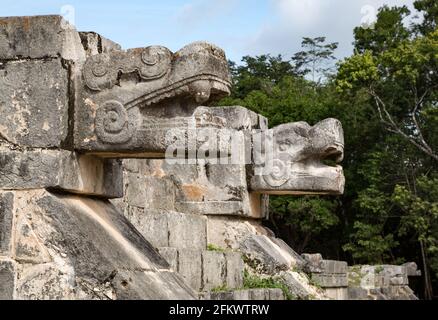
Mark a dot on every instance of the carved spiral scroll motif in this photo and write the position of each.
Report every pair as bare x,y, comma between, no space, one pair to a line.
278,173
112,123
101,71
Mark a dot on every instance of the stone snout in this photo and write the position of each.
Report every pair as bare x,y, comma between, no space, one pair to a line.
296,158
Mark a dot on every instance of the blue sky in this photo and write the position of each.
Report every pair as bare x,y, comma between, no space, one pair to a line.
241,27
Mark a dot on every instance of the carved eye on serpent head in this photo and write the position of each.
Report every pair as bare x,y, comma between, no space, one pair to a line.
112,123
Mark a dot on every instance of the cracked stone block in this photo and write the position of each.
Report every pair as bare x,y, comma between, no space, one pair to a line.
235,267
171,256
39,37
214,270
187,231
190,267
7,279
34,101
6,222
60,169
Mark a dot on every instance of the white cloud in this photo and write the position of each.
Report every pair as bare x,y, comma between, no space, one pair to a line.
193,14
293,19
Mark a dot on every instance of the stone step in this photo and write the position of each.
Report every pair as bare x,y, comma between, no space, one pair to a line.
247,294
206,270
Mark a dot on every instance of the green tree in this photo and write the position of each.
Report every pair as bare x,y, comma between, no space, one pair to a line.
316,59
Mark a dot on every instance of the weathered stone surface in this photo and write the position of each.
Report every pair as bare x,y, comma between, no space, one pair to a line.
259,294
337,293
276,294
412,269
7,279
299,286
154,227
6,222
34,103
265,255
94,43
288,159
250,294
330,280
159,194
112,119
94,251
357,293
214,270
171,256
190,267
229,232
187,231
60,169
39,37
234,267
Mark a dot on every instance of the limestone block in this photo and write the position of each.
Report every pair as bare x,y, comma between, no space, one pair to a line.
330,280
337,293
299,262
299,286
60,169
333,266
223,295
6,222
214,270
276,294
228,208
159,193
265,255
259,294
228,232
242,295
73,247
34,100
187,231
234,267
171,256
154,227
39,37
190,267
313,262
7,279
135,193
94,43
357,293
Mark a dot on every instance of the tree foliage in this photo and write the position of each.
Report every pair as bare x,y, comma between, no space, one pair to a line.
385,95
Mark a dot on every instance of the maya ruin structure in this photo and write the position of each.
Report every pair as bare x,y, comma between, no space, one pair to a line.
119,179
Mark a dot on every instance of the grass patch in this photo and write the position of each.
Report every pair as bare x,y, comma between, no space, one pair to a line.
220,289
212,247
